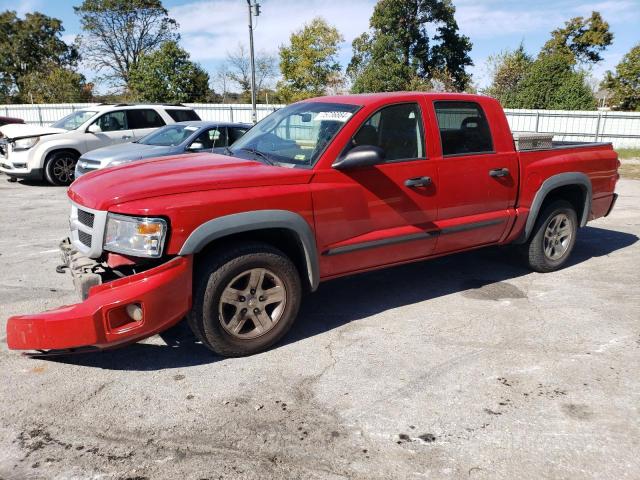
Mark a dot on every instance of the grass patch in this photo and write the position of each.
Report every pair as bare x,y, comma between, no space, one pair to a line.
630,170
626,153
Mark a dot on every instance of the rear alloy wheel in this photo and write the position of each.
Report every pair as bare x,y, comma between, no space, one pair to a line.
60,168
245,299
553,237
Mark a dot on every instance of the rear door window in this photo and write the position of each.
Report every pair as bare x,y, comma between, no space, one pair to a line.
464,129
235,133
211,138
180,115
144,118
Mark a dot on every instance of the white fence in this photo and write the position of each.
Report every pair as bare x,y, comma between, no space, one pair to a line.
620,128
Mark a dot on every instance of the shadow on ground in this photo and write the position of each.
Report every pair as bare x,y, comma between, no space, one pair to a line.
345,300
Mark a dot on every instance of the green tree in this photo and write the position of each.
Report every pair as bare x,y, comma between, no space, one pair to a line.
399,53
508,69
118,32
168,75
624,84
309,64
55,84
26,46
584,38
551,83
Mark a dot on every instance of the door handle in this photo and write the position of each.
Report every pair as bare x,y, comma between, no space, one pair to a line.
417,182
499,172
126,137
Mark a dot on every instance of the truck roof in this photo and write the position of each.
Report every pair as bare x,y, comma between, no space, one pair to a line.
371,98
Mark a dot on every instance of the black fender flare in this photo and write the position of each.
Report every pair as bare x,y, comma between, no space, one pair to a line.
258,220
562,179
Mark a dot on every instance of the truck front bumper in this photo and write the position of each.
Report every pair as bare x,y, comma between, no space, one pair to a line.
115,313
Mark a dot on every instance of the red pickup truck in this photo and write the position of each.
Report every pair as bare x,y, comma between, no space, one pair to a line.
323,188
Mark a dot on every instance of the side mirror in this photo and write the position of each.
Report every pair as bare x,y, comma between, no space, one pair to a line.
196,146
361,156
94,128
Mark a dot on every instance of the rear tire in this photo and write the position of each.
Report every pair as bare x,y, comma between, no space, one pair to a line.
60,167
553,238
245,299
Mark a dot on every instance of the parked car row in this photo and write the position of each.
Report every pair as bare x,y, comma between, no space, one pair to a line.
95,135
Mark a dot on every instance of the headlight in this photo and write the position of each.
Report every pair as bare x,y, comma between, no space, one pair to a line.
137,236
115,163
25,143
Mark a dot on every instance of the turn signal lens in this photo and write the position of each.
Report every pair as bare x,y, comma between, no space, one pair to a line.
149,228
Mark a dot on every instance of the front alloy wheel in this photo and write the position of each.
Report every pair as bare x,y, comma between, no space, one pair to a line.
252,303
245,298
60,168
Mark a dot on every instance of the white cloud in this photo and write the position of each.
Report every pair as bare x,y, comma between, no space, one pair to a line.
494,19
211,28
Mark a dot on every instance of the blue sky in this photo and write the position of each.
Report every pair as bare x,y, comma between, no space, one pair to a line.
210,28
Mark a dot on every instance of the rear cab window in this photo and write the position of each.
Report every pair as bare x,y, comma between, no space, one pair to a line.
182,115
464,129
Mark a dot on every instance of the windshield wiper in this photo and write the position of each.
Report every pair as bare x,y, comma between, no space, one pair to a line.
257,153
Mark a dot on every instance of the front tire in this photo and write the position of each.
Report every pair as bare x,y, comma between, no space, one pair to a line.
245,299
553,237
60,167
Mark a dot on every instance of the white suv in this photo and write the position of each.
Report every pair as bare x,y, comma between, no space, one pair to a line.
51,153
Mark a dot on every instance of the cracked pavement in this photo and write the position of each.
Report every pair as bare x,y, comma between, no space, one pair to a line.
466,366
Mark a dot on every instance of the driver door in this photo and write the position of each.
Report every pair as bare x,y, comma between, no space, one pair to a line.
382,214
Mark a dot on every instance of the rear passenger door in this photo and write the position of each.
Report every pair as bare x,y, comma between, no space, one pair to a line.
477,185
143,121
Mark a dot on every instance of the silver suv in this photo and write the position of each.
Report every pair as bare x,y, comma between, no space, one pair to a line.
51,153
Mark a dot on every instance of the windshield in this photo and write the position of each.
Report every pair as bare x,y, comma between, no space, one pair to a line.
297,134
169,136
74,120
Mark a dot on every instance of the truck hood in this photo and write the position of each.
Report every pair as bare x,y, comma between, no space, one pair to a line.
176,174
127,151
20,130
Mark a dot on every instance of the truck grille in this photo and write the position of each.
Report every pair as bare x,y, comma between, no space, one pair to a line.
85,238
86,218
87,229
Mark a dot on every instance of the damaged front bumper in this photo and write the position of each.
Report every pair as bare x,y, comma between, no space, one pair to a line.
114,312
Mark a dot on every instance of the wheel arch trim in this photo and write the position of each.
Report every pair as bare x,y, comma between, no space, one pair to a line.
560,180
253,221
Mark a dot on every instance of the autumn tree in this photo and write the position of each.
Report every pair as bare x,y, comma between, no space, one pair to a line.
27,46
552,84
309,63
583,38
411,44
55,84
508,69
168,75
624,84
238,70
117,33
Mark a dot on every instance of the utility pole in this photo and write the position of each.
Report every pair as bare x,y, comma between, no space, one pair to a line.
254,9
